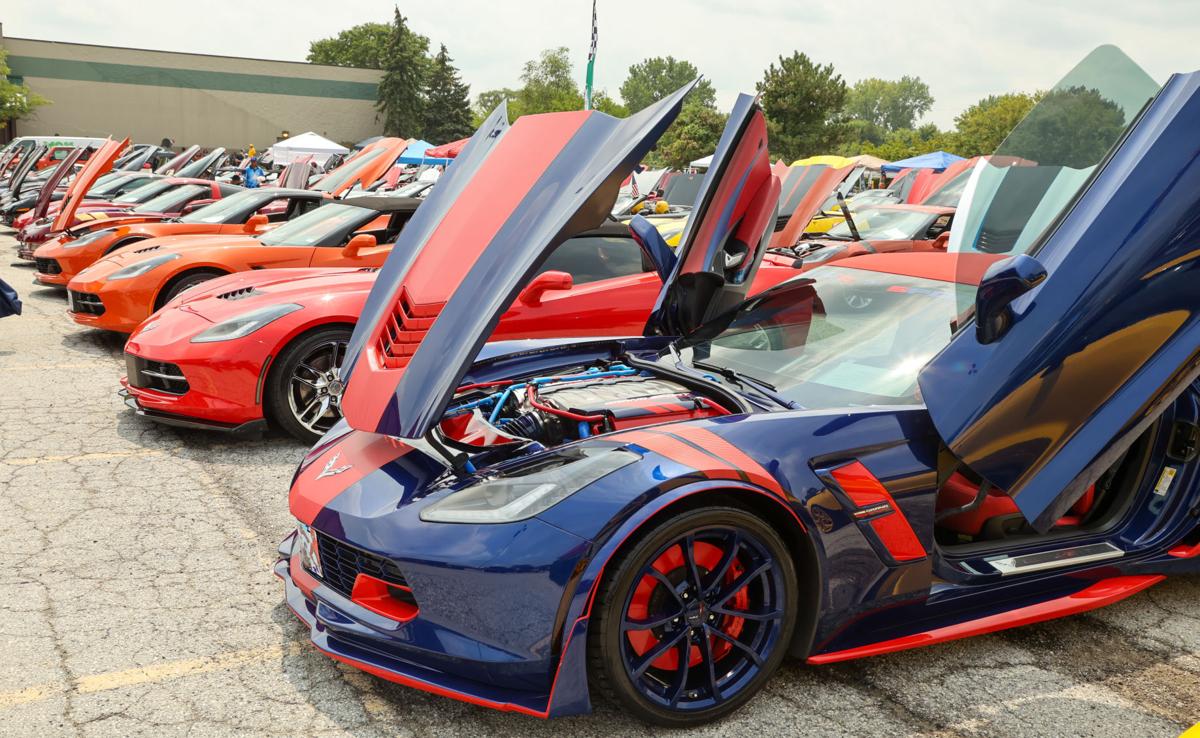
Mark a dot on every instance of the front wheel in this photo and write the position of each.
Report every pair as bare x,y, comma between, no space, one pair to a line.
304,391
695,618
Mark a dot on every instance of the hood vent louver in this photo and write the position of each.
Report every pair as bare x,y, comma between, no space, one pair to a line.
147,250
238,294
404,329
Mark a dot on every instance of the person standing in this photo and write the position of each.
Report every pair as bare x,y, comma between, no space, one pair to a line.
251,152
253,173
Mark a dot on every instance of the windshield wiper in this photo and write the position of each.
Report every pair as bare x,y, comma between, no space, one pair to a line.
764,388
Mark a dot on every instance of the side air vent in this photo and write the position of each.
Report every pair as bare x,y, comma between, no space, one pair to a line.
147,250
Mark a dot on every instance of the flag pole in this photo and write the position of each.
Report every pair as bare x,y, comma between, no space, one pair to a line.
591,64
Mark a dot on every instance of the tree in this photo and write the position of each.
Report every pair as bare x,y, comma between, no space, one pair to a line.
605,104
447,102
802,101
406,67
888,105
486,102
694,134
548,85
1071,127
653,79
361,46
16,100
985,124
907,142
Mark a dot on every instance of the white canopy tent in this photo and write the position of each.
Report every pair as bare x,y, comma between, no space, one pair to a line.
306,144
703,163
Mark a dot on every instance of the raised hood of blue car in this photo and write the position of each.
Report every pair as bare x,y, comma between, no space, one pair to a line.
511,197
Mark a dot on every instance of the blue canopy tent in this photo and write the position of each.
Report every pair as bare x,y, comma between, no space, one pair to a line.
937,161
415,154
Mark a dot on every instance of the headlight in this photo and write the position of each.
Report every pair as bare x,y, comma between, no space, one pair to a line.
141,267
306,545
245,324
512,498
87,238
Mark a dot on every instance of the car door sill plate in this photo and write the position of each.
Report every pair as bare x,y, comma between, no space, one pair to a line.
1010,565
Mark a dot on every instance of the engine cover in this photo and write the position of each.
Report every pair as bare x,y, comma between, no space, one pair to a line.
629,402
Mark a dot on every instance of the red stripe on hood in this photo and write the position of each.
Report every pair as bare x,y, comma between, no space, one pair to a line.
357,456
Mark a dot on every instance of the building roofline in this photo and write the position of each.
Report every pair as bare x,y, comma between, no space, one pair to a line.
185,53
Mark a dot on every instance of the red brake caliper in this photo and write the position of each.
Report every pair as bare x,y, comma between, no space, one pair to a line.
671,565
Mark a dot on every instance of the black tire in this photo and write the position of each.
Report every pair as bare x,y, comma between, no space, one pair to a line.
609,647
184,282
284,393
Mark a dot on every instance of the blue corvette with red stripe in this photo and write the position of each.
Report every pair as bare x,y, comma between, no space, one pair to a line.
887,452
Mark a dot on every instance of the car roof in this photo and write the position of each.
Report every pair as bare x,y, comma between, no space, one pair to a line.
963,268
384,204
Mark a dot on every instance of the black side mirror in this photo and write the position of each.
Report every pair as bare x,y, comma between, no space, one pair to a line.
1004,282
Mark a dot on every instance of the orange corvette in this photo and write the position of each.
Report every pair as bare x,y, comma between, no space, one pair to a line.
124,288
247,213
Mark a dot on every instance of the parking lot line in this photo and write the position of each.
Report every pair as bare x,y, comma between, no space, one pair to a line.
152,674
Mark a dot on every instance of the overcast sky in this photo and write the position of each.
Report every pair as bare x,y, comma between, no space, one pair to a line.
963,50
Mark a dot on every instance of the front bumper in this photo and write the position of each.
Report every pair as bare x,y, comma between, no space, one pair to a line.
125,307
144,402
350,634
224,380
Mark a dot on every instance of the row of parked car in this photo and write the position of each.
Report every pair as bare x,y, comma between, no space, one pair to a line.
557,455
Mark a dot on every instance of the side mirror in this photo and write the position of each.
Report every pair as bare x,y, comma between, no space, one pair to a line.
942,242
1004,282
543,283
255,223
357,244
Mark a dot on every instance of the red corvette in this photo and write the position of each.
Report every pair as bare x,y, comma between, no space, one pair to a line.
254,347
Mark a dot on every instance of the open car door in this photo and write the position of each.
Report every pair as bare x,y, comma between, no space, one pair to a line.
510,198
729,228
1078,345
100,162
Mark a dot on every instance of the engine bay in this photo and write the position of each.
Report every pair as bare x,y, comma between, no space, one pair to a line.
575,404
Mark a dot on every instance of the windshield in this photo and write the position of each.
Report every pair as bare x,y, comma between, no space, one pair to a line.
328,225
682,188
233,209
172,201
951,192
1049,156
839,337
145,192
882,224
348,171
109,183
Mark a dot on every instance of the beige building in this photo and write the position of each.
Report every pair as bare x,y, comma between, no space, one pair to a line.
190,98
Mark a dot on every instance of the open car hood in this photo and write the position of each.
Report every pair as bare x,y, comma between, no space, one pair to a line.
56,177
176,162
101,162
497,213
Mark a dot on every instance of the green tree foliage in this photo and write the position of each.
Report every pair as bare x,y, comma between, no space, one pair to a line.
908,142
486,102
985,124
605,104
888,104
447,102
653,79
16,101
803,103
1072,127
693,135
361,46
548,85
406,66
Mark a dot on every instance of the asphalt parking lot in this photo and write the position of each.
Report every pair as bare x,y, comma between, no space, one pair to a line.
136,598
